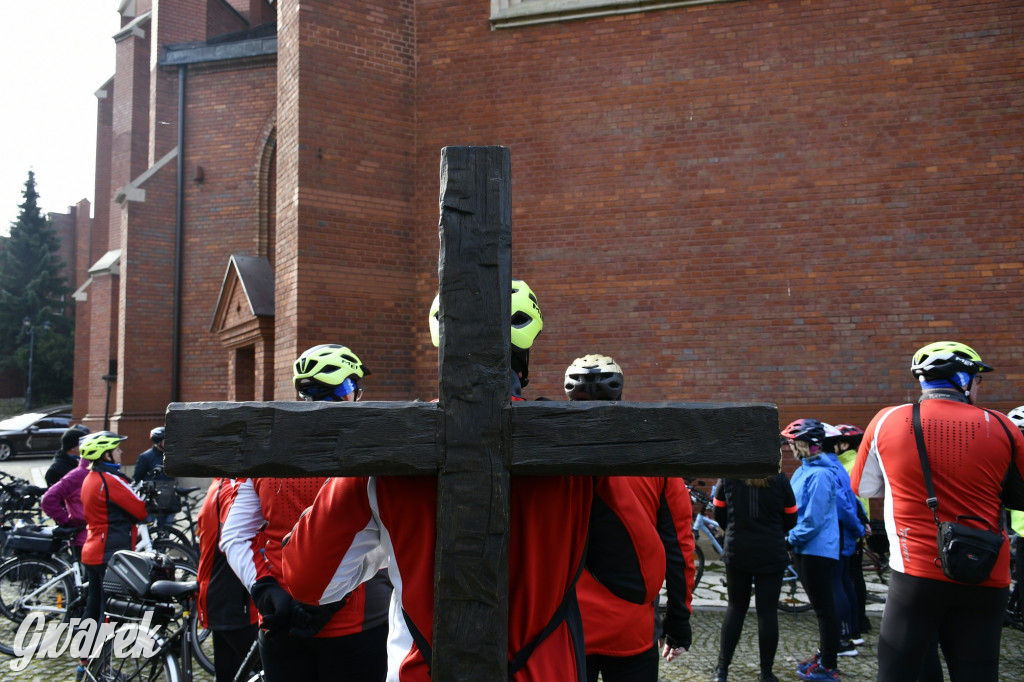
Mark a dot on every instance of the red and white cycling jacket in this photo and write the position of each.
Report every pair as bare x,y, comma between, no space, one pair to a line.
358,525
223,602
968,453
263,512
616,627
111,511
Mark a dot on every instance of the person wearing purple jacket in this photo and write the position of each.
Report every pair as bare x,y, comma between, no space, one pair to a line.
62,502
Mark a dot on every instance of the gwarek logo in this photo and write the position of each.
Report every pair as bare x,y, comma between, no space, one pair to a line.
81,638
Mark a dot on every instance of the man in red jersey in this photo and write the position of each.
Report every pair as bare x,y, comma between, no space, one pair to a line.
621,637
970,451
305,641
358,525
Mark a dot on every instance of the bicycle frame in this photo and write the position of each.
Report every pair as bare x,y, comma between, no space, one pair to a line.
705,525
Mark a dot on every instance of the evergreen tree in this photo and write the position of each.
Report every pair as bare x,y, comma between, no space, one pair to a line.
33,286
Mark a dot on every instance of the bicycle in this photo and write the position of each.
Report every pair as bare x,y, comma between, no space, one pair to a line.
167,592
703,524
38,578
169,539
875,562
19,504
154,610
1014,617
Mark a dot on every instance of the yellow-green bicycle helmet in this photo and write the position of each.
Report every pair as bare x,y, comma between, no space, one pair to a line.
328,372
527,321
95,445
944,359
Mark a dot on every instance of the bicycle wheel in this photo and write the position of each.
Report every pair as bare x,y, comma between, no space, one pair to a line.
108,667
174,542
698,565
876,576
202,651
30,585
180,554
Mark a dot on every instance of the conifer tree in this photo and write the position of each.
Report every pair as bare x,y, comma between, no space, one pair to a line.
33,286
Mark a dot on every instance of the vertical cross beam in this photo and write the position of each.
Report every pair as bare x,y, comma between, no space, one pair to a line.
471,583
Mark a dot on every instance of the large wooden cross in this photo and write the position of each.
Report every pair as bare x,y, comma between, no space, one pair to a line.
473,439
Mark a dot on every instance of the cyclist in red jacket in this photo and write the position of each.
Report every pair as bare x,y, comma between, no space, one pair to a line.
112,510
358,525
970,452
224,605
620,636
305,641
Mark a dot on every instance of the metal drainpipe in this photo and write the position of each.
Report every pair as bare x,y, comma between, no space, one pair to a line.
179,239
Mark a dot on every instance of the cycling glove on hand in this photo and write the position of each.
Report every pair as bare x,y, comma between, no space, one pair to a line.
276,606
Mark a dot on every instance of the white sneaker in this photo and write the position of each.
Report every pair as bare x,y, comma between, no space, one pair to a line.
846,648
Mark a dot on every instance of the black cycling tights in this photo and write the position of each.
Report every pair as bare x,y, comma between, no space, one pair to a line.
767,587
816,577
967,619
361,657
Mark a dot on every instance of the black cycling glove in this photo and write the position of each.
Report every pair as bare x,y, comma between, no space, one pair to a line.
679,635
280,612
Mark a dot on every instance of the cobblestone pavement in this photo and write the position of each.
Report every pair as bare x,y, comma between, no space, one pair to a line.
798,635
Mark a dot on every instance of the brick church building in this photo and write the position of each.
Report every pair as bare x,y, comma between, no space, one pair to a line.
757,200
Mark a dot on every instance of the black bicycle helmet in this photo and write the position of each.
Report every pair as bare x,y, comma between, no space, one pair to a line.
594,377
157,435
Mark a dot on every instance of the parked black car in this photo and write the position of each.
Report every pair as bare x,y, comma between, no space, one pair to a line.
33,433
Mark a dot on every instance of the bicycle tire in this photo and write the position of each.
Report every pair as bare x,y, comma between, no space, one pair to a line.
792,599
30,584
179,553
202,651
698,565
178,537
163,667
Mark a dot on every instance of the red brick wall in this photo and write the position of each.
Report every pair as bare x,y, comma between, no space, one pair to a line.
746,201
129,121
346,266
228,112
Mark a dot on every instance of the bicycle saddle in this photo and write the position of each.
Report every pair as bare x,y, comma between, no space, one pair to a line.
169,589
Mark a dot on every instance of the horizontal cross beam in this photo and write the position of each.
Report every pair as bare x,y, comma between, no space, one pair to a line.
295,439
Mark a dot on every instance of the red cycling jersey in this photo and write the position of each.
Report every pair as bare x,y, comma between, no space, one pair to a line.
969,453
616,627
111,511
358,525
223,602
263,512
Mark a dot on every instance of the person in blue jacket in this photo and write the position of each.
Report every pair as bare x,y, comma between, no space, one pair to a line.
815,541
852,519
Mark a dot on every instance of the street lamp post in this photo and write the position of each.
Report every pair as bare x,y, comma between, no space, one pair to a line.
27,322
31,347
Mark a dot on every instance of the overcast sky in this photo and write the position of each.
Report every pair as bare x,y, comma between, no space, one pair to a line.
54,56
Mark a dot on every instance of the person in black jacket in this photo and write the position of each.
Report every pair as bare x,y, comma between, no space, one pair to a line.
65,459
756,513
